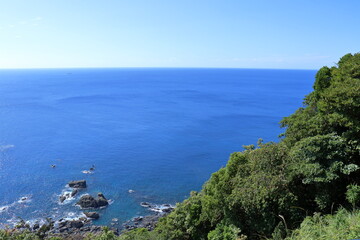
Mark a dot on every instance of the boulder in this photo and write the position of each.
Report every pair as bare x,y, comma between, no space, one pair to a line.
77,184
62,198
93,215
167,210
145,204
102,201
137,219
74,192
87,201
36,226
76,224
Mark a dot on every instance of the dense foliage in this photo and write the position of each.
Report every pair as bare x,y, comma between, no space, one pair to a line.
342,225
267,190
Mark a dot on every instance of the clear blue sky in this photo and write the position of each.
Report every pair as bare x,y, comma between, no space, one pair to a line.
177,33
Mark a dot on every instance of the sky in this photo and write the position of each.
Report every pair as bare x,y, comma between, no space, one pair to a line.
283,34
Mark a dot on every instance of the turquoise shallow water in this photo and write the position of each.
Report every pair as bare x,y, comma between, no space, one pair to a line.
160,132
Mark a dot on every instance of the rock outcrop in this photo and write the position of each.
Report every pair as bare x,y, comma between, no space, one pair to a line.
102,201
164,208
62,198
93,215
77,184
88,201
74,192
68,195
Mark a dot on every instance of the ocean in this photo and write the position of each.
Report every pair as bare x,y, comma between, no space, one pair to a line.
158,132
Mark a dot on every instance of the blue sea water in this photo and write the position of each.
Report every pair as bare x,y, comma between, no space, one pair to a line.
159,132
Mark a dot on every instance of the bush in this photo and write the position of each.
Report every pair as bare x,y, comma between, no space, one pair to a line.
342,225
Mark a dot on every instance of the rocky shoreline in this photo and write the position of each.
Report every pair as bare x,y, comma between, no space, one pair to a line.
79,228
149,222
83,227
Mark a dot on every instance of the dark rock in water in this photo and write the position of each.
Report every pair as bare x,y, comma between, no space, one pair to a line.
102,201
92,169
87,201
76,224
62,199
167,210
68,195
145,204
36,226
78,184
20,224
138,219
148,222
62,224
164,208
93,215
74,192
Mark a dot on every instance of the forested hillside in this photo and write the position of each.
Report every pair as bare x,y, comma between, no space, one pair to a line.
268,189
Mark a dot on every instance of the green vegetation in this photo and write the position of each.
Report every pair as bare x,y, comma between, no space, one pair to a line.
343,225
267,190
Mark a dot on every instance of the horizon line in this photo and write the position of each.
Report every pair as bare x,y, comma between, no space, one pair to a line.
55,68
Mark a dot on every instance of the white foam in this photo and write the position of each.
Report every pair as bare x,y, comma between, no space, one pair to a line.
66,192
32,222
159,208
6,147
155,209
69,216
24,199
13,220
87,172
4,208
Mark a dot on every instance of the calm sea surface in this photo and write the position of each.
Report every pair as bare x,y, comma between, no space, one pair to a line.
159,132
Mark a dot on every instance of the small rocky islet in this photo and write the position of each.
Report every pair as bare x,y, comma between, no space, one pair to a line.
88,201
